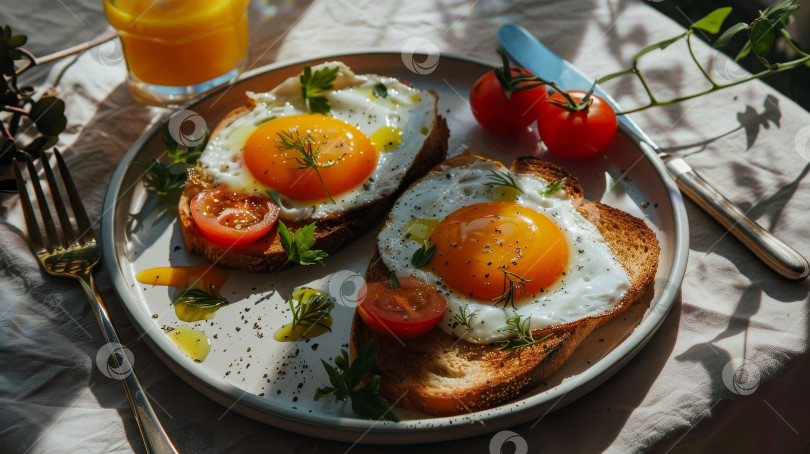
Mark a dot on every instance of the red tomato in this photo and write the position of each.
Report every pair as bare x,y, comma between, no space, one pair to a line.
500,115
576,135
233,218
410,311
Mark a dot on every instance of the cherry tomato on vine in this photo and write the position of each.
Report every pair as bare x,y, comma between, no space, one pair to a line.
233,218
497,113
409,311
576,135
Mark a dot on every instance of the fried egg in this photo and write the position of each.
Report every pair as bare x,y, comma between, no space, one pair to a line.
365,145
486,236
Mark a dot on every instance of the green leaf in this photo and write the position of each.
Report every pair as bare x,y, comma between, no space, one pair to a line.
780,11
495,178
380,90
286,239
49,115
274,195
394,281
18,40
727,35
713,22
553,187
744,51
160,178
314,84
659,45
368,403
762,37
297,245
423,255
358,369
41,143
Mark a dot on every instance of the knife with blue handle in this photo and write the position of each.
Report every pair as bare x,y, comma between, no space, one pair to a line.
528,52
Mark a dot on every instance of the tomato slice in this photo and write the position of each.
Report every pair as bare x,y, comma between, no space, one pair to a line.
233,218
410,311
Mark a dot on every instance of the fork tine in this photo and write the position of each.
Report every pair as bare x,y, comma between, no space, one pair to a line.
28,210
85,228
47,219
67,228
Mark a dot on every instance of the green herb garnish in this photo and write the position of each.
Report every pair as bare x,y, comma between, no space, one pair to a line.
311,307
313,85
306,154
346,379
553,187
521,326
297,246
394,281
495,178
199,298
463,318
274,195
162,178
380,90
423,255
511,282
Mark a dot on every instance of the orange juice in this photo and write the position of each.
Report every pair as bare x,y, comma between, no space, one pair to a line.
178,43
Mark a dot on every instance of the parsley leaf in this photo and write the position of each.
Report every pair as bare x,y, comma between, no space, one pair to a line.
314,84
346,378
297,245
274,195
380,90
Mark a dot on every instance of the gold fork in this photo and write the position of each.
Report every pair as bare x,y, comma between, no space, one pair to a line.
74,254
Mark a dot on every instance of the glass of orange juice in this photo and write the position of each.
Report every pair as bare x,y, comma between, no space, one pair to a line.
178,49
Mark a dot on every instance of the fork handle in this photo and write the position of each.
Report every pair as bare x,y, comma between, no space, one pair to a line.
154,437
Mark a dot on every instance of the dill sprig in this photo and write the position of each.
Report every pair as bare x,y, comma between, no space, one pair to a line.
306,154
495,178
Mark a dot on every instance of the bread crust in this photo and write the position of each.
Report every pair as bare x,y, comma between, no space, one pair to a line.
441,375
331,233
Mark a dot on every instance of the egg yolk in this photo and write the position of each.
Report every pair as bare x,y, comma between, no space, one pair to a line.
344,156
477,243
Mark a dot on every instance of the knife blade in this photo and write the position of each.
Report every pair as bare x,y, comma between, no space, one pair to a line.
527,51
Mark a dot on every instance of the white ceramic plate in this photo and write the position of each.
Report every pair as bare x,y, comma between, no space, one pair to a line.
274,382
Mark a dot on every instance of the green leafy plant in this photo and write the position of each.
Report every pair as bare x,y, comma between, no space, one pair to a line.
19,108
346,378
163,178
520,326
313,85
298,245
763,33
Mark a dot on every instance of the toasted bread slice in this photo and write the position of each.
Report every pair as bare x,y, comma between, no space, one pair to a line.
442,375
331,233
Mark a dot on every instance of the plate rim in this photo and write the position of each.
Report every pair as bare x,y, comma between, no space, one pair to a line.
432,429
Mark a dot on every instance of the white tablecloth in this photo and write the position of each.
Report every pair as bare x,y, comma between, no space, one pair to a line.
752,143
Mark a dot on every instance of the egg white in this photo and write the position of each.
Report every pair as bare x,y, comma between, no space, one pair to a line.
352,100
593,283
